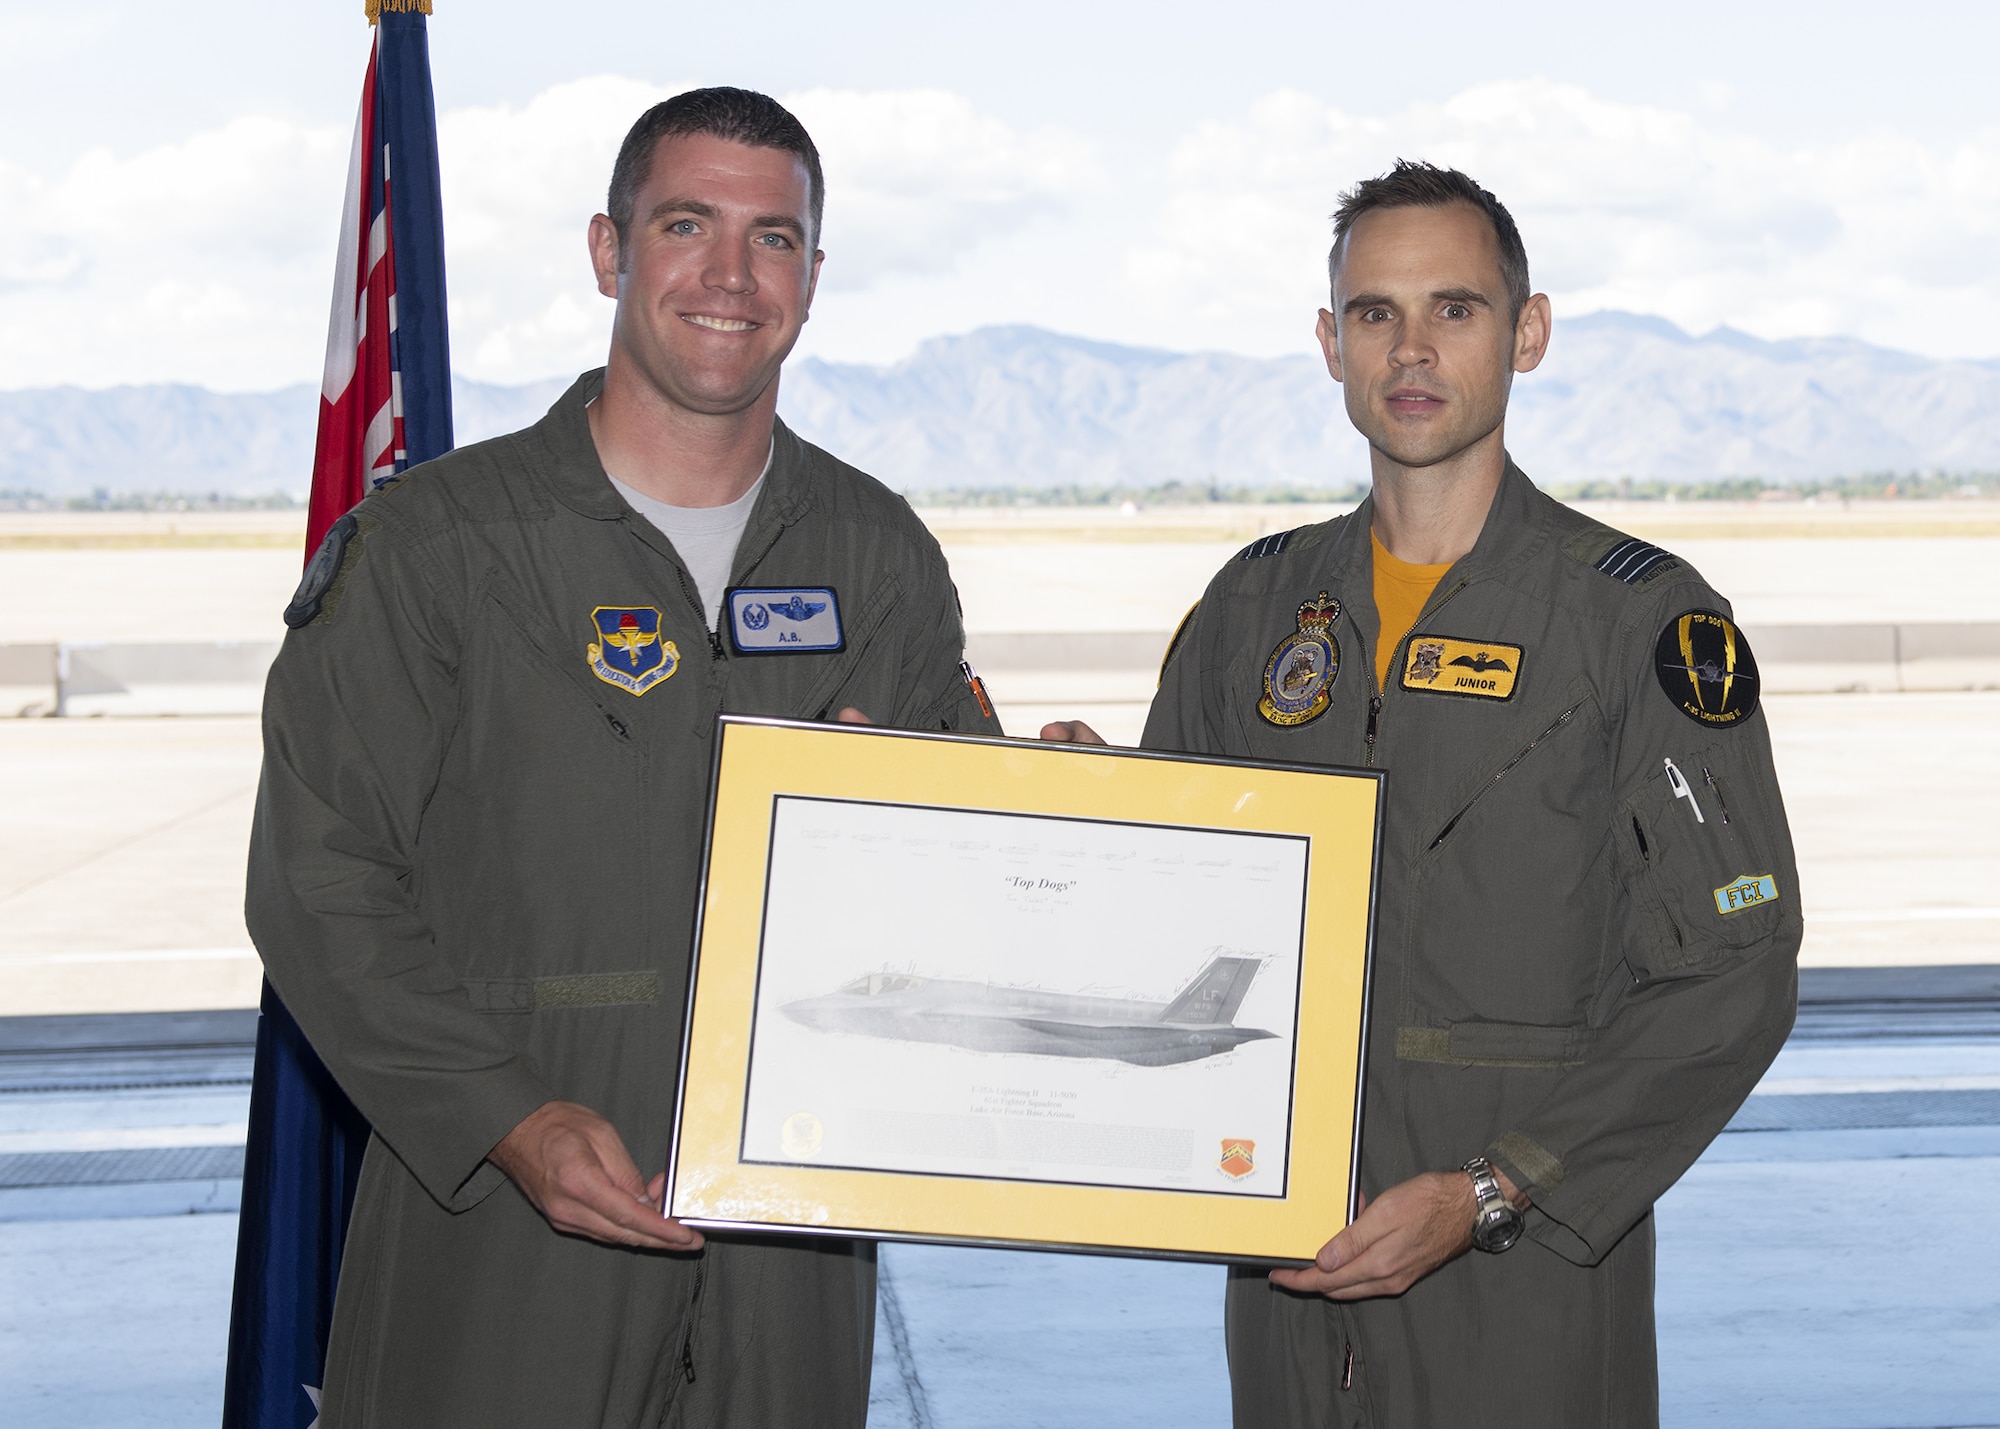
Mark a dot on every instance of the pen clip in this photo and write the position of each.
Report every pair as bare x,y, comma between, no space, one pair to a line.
1677,782
977,686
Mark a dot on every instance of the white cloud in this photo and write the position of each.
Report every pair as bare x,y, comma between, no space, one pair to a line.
205,260
1625,206
916,179
211,259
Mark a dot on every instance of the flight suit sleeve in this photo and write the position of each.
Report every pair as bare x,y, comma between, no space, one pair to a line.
358,711
913,679
1185,717
1708,928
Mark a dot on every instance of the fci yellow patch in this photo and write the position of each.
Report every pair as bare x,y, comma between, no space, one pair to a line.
1481,669
1750,891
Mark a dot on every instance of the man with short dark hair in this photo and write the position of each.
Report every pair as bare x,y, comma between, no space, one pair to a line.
478,840
1587,915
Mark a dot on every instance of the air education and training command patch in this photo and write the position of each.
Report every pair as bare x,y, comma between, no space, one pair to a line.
628,651
1706,668
1482,669
1298,678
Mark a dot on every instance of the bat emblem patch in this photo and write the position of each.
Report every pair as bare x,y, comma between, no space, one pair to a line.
1475,669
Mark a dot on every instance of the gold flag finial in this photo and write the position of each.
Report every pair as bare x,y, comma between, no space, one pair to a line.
376,7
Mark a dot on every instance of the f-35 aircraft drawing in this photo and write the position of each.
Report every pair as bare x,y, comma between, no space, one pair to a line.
982,1018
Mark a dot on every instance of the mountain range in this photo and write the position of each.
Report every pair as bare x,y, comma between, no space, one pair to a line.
1619,395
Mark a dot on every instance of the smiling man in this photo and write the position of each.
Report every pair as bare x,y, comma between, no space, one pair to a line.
1587,915
475,863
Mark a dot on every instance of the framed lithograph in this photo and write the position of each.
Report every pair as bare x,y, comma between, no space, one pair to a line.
1004,992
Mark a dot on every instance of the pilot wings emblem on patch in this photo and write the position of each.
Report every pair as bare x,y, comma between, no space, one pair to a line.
629,651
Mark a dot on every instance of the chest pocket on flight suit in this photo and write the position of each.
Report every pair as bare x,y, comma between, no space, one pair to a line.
1712,880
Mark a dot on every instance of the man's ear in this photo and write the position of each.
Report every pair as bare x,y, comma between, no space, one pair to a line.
812,283
1328,332
1531,333
604,254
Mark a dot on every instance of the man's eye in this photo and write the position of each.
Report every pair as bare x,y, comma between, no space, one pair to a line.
774,240
682,226
1457,310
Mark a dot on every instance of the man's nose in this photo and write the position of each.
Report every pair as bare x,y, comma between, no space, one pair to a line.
729,269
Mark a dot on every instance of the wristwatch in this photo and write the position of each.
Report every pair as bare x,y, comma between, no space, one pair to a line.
1497,1225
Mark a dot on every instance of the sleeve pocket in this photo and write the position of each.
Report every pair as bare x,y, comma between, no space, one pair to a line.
1703,862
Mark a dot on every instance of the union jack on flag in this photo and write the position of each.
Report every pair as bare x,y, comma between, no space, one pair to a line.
385,399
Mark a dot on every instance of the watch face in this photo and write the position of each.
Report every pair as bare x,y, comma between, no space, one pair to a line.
1499,1230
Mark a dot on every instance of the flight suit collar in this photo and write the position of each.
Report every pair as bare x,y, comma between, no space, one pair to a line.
577,477
1516,528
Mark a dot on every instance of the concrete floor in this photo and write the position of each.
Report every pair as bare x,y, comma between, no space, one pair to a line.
1808,1280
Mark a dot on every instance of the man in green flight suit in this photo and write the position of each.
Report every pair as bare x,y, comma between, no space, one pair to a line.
1587,914
474,868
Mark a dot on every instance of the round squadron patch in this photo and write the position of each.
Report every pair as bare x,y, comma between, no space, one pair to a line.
1298,678
1706,668
320,573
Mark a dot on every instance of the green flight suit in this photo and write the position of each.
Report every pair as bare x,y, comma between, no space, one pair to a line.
1557,984
473,877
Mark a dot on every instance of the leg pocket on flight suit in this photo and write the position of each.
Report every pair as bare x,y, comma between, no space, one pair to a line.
1703,865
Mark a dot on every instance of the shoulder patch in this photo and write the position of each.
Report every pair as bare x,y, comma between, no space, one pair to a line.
320,573
1269,545
1706,669
1174,642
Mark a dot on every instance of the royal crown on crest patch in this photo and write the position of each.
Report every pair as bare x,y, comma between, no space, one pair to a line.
628,651
1298,678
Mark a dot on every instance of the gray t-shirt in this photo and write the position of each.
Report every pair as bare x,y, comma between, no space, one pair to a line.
704,537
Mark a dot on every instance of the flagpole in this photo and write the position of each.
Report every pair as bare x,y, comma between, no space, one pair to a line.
385,406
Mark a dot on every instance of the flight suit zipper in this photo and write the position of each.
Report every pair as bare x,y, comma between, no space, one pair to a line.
1376,691
1504,770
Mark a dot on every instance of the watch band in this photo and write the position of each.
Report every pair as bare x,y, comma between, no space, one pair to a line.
1496,1225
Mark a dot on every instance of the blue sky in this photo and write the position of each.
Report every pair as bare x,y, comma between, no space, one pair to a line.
1159,174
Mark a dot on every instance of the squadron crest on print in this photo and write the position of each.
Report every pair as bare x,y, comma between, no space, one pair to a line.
1298,678
629,651
1238,1159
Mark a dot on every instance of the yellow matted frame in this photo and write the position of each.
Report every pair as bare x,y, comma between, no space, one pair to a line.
759,760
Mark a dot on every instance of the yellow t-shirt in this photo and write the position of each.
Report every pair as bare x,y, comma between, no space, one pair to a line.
1400,592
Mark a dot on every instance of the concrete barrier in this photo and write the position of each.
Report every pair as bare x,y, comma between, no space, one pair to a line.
78,679
87,678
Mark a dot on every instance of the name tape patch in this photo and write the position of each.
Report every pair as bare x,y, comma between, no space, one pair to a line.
784,620
1478,669
1749,891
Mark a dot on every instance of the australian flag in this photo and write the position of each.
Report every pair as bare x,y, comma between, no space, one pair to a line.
385,405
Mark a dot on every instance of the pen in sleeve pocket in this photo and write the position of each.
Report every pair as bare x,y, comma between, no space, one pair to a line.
1677,782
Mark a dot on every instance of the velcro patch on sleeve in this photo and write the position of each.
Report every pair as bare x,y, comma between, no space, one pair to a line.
321,571
1752,890
1479,669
